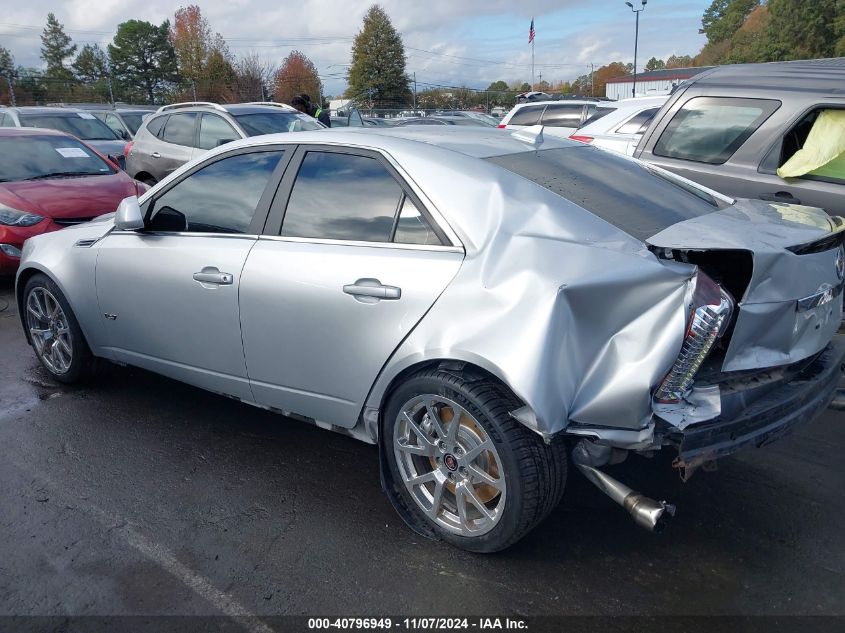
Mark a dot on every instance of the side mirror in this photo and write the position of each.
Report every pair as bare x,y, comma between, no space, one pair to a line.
128,216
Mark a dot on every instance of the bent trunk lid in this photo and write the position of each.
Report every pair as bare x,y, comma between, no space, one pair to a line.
790,305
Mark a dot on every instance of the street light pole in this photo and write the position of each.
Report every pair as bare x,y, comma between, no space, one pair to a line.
636,40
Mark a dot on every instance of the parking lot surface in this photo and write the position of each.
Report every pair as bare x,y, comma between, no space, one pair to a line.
140,495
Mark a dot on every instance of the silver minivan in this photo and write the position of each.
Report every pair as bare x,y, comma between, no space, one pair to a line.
180,132
731,128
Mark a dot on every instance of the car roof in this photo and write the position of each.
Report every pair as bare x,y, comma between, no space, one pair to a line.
232,108
472,141
815,75
30,131
635,102
556,101
56,111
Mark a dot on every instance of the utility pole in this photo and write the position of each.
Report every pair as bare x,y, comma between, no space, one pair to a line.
111,91
11,89
415,92
592,80
636,41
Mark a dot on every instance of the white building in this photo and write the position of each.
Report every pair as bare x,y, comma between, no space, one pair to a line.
650,83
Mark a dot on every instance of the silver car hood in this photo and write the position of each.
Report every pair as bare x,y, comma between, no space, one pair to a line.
772,328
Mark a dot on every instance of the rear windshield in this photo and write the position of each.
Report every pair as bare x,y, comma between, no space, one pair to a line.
616,189
41,157
133,121
82,125
274,122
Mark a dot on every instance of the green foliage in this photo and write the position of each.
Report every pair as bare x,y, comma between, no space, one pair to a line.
655,64
7,62
143,61
741,31
377,75
723,18
56,47
91,64
498,86
525,87
680,61
805,29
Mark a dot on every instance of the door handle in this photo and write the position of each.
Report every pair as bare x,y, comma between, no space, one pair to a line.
369,290
155,155
780,196
210,275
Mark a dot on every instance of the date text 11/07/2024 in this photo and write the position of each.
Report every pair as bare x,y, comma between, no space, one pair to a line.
418,624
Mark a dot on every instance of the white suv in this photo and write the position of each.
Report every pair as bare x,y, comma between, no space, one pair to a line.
619,125
560,118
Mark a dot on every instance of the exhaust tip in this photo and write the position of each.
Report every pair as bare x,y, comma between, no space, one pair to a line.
652,515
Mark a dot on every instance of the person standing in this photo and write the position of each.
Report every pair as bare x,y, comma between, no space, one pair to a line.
302,102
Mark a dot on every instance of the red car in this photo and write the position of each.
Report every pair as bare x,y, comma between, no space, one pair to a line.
49,180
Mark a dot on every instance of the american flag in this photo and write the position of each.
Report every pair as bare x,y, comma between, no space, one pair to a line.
531,32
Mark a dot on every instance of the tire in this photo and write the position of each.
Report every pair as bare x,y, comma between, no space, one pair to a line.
426,461
54,332
149,181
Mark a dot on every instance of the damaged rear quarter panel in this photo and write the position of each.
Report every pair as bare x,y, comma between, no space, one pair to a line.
579,319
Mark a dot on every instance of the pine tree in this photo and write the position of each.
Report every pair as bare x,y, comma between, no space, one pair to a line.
377,75
91,64
143,61
56,47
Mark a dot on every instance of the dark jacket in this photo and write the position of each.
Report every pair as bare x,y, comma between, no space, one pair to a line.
322,116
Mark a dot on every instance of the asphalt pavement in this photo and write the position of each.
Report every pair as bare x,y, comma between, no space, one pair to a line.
138,495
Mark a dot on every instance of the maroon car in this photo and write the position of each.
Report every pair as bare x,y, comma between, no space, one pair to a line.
48,180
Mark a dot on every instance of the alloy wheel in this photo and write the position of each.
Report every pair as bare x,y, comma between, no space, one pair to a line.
449,465
49,330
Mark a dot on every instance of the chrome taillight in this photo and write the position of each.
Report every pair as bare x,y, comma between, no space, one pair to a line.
711,312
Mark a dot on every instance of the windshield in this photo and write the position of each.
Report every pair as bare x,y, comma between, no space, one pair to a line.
133,121
619,190
274,122
34,157
81,124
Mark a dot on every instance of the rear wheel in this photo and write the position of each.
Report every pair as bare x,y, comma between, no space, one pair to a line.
464,467
54,331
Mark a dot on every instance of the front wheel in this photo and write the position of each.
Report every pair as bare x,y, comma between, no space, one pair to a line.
54,331
464,468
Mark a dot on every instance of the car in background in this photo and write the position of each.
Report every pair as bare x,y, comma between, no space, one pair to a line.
441,120
123,120
735,127
471,114
50,180
177,133
619,125
493,310
559,118
533,95
79,123
374,121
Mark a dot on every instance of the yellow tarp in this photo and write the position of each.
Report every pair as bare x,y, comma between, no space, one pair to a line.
824,150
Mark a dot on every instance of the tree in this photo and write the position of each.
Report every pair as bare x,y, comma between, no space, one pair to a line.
56,47
143,60
680,61
595,85
723,18
805,29
297,74
751,42
91,64
377,75
655,64
253,78
203,57
525,87
498,86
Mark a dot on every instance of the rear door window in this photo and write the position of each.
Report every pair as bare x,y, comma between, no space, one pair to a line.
528,115
214,131
563,115
156,126
342,197
638,123
711,129
180,128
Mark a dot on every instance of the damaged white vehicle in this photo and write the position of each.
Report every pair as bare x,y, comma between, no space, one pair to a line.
487,307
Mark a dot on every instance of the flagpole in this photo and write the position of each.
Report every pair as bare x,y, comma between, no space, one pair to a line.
532,64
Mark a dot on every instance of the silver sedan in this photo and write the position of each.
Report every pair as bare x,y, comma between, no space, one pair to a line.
488,307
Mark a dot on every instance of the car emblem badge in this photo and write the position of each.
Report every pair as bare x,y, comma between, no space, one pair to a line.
840,264
450,461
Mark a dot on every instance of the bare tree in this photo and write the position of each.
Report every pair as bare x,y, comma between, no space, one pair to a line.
253,78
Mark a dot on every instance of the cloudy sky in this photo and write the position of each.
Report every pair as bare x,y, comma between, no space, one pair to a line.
448,42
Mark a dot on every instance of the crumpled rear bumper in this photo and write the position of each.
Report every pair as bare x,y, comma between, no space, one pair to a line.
800,399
